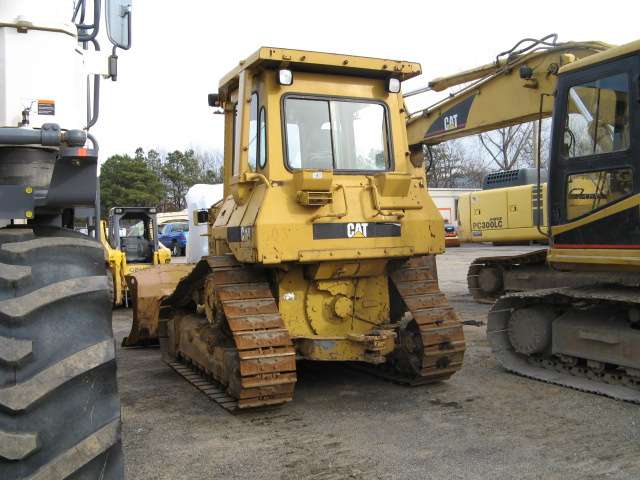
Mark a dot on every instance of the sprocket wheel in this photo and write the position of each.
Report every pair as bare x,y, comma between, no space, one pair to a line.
410,350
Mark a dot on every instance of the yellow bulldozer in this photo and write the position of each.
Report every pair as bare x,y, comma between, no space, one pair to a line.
323,248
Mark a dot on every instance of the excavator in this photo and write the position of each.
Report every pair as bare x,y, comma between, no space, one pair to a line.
59,404
323,247
568,315
517,87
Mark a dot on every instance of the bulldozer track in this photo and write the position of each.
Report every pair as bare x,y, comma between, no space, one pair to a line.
441,333
614,384
203,382
508,261
265,374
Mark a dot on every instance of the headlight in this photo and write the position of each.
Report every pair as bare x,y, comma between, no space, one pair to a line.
393,85
285,77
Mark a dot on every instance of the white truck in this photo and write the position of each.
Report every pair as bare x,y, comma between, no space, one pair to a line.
59,405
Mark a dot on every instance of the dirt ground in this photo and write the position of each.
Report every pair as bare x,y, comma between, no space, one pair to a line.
483,423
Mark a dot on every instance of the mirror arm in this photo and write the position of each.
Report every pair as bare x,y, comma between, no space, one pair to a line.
95,26
92,113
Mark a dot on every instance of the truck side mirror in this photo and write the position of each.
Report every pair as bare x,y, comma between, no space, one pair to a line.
119,23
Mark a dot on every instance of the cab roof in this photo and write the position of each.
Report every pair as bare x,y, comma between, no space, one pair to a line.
610,54
304,60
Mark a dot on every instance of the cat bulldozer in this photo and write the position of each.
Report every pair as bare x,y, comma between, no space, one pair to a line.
570,315
130,241
59,404
323,247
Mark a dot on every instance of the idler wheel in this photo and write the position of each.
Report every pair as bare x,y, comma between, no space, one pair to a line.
490,280
529,329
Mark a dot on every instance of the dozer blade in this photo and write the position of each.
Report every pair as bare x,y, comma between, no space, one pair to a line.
148,288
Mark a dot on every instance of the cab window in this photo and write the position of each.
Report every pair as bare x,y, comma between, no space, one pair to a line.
332,134
597,117
253,132
262,136
597,123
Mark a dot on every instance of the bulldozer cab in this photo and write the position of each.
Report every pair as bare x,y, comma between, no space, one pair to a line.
133,230
316,154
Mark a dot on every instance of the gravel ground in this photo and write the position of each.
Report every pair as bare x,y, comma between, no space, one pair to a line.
343,424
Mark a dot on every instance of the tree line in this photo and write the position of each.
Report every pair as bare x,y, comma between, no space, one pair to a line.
155,178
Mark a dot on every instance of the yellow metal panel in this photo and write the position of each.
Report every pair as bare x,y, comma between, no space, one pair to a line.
519,207
271,57
607,258
308,179
488,212
625,204
613,52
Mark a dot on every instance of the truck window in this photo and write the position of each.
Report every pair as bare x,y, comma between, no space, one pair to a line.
336,134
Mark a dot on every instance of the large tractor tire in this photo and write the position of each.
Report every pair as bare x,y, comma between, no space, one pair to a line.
59,406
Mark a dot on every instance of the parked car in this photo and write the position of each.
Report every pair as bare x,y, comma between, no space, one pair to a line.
174,237
451,238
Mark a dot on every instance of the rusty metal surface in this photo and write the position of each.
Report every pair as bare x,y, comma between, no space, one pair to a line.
148,287
530,271
501,262
253,361
439,327
614,381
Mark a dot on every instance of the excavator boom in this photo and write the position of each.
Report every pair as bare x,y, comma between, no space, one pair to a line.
511,90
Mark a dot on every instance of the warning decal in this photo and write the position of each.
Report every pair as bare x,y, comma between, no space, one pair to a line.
46,107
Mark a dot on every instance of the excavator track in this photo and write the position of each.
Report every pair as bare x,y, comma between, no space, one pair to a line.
492,268
263,369
439,338
615,381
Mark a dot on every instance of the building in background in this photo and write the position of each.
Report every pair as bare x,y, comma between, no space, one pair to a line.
446,199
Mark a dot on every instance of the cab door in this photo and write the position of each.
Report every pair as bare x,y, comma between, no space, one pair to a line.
595,176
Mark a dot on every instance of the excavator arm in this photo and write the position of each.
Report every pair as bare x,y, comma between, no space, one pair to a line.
517,87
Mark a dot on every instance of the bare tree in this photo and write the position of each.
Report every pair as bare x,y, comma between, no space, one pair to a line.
508,146
453,165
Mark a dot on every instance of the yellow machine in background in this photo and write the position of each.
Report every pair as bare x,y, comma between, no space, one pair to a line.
504,215
323,248
518,87
130,243
570,315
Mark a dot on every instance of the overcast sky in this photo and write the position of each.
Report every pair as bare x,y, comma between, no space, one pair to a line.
182,48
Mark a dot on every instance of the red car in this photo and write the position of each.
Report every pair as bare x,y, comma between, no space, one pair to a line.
451,236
